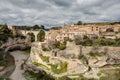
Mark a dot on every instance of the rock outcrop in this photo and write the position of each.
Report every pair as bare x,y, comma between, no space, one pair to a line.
80,59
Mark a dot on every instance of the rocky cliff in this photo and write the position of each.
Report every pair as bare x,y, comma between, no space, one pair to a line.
80,59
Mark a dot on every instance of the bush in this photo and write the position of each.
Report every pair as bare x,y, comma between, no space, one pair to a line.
64,78
99,74
29,75
101,54
91,54
45,58
111,74
97,41
4,37
103,78
62,46
87,41
3,63
80,57
62,69
45,49
27,51
40,65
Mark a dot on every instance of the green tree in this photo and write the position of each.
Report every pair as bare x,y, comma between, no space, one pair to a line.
42,27
5,29
79,23
41,36
36,27
62,46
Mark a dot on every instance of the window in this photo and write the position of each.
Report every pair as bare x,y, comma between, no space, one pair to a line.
92,28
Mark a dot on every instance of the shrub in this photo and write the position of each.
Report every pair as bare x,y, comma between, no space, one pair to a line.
103,78
29,75
45,58
99,74
101,54
3,63
97,42
62,69
40,65
80,57
45,49
64,78
27,51
62,46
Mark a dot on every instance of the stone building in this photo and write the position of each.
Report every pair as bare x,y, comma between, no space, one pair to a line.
70,31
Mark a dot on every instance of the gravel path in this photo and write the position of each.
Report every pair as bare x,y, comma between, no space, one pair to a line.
19,59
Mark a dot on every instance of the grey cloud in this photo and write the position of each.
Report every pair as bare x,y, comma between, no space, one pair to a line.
62,3
58,12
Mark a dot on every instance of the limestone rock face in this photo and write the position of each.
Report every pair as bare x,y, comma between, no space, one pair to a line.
73,64
16,46
71,51
15,43
14,32
0,43
76,64
114,58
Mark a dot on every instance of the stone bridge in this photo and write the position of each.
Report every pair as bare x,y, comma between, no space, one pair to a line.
25,32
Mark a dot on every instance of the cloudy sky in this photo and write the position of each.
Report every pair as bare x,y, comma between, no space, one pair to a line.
58,12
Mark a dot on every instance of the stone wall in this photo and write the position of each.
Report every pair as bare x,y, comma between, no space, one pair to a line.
112,56
72,52
76,50
108,49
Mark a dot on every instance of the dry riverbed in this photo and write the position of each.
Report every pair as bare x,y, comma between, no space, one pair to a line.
19,57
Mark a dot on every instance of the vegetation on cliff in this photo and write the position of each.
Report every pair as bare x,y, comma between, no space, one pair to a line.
86,41
45,58
41,36
3,62
59,68
5,33
29,75
34,27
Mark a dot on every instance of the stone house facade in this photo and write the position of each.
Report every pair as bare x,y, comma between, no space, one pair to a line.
90,30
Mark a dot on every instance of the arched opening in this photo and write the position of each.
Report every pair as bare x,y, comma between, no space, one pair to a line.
32,36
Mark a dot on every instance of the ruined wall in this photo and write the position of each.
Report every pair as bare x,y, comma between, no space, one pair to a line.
108,49
112,57
75,49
